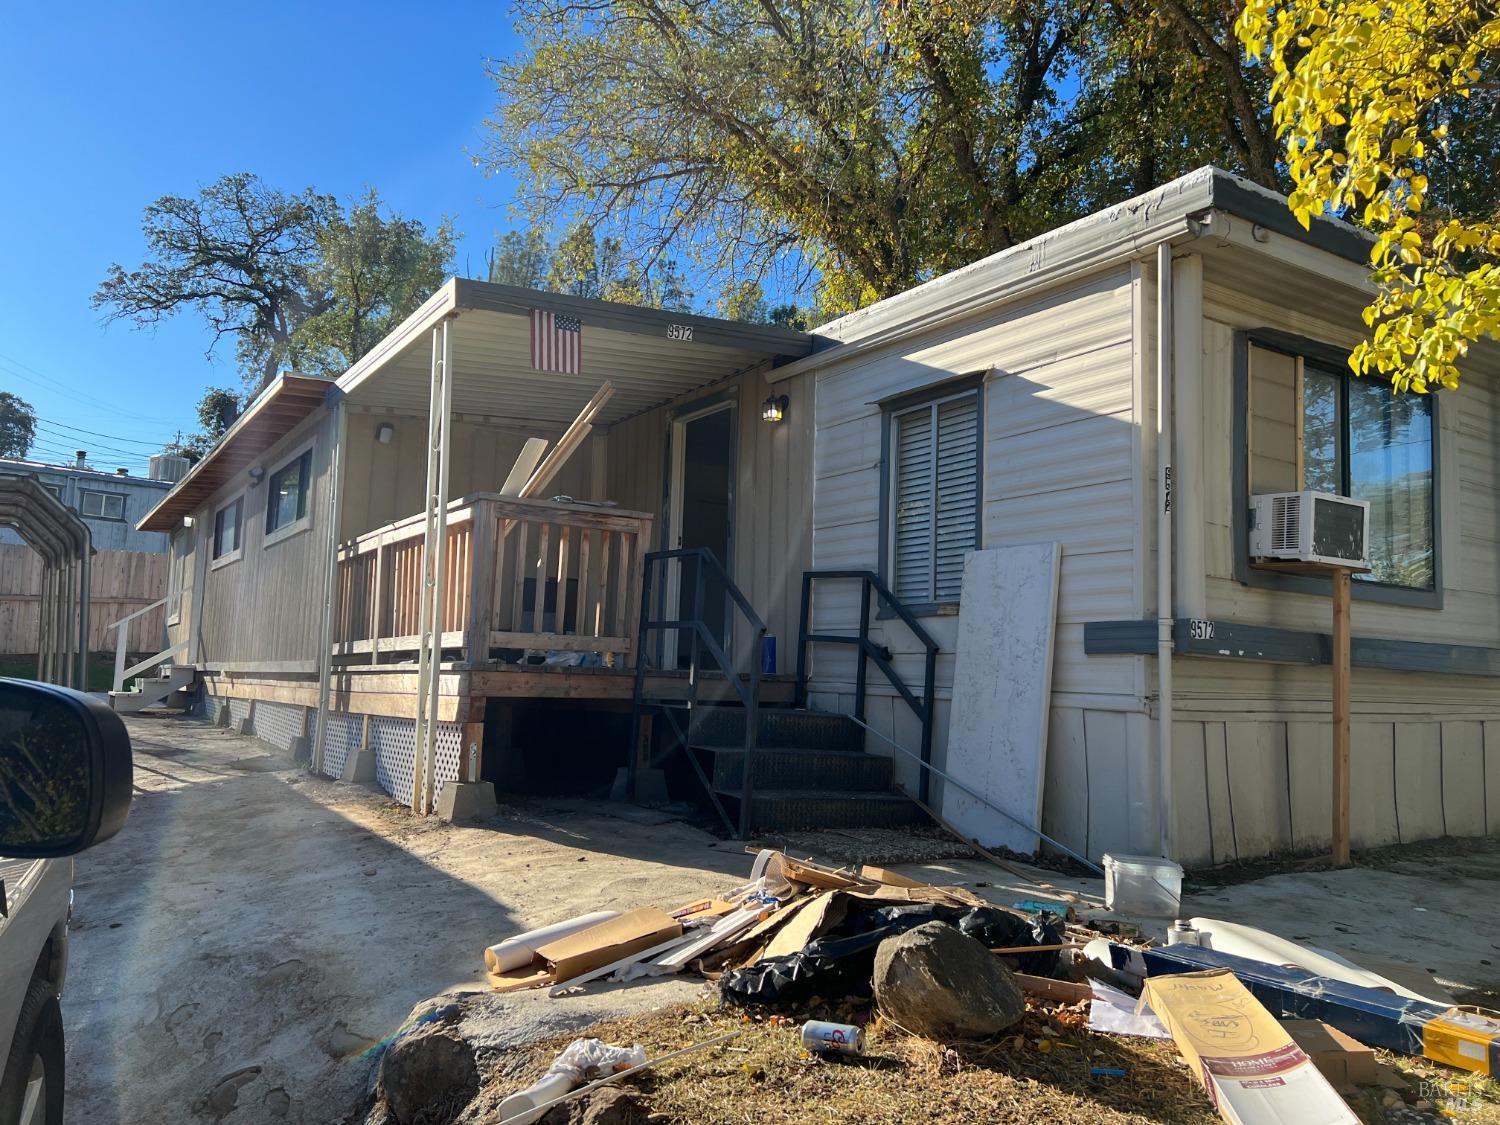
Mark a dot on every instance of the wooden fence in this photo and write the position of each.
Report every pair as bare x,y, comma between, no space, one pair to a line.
120,582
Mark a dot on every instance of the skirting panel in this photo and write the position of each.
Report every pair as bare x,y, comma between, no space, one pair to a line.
279,723
395,744
342,738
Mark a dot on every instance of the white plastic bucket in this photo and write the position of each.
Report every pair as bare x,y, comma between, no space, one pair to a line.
1142,884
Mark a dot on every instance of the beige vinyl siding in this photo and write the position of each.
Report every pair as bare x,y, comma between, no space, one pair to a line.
384,483
265,606
1060,451
772,497
1251,740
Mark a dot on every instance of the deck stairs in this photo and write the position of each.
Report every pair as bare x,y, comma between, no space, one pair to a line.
810,770
169,686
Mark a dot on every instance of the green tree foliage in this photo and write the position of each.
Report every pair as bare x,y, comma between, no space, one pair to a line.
17,425
582,264
869,146
372,272
217,410
295,279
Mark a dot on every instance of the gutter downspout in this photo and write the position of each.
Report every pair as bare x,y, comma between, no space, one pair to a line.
1164,548
330,576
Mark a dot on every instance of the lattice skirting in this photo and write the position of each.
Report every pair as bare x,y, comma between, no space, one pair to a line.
342,739
279,723
395,744
239,711
214,708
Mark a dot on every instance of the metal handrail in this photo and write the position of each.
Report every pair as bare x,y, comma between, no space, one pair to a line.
697,628
868,651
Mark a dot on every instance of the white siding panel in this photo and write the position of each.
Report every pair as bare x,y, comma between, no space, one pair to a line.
1463,778
1095,517
1083,451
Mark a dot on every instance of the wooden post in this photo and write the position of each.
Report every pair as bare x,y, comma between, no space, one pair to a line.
1341,709
482,576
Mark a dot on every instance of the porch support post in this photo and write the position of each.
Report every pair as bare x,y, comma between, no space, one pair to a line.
336,461
430,634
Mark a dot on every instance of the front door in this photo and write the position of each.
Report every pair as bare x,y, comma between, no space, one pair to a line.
701,516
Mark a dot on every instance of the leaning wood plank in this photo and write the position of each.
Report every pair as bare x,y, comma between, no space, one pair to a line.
1017,950
809,921
719,933
526,463
622,963
1064,990
572,438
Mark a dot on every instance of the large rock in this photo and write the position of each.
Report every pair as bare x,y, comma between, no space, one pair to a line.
427,1075
936,982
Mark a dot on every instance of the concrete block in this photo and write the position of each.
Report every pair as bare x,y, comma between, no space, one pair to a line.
650,787
301,748
359,766
244,726
466,800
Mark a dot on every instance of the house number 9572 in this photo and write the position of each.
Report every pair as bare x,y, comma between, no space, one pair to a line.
1201,630
679,332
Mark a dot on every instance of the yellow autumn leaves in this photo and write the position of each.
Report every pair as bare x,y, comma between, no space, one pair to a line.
1361,93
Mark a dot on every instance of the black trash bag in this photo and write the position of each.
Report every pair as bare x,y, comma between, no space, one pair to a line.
1004,929
835,966
841,964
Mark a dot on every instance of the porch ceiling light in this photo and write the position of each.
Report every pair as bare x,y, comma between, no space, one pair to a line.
384,432
774,408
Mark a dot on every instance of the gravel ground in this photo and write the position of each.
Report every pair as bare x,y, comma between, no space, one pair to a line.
253,932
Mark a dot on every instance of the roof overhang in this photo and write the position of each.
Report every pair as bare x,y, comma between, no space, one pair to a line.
48,527
284,404
651,356
1180,211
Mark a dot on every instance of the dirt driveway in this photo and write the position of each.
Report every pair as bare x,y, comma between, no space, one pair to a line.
253,932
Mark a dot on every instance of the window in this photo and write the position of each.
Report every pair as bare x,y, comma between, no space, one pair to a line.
934,496
55,489
286,499
1312,424
228,530
1362,440
101,505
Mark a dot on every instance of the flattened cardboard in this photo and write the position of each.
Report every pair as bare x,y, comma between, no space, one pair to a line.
889,878
608,942
1344,1061
1254,1072
518,980
816,916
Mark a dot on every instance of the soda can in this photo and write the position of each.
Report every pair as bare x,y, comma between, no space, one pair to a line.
833,1038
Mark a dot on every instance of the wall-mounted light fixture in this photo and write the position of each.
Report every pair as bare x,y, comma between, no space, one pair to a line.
773,409
384,432
256,472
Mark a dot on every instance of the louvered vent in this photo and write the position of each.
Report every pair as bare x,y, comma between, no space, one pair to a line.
1286,522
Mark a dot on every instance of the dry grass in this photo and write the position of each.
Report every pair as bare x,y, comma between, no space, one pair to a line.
1042,1073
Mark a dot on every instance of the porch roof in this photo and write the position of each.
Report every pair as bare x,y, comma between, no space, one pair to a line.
276,411
650,355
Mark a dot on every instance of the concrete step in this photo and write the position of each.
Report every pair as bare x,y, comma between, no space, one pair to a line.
169,686
812,808
803,768
779,728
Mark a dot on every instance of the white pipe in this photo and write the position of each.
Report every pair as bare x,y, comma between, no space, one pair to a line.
1164,547
518,951
330,581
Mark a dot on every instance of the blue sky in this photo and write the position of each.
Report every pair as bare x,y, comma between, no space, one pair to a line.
109,106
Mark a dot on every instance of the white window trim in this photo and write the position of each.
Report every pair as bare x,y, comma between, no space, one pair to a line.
176,574
936,606
82,492
296,527
213,525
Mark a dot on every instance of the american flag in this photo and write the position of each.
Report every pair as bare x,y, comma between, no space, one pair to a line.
556,342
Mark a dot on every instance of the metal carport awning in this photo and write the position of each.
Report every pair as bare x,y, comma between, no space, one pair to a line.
65,546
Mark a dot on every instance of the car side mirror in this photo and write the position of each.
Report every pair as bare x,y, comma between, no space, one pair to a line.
65,771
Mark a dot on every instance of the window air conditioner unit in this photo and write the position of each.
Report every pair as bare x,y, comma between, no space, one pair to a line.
1310,527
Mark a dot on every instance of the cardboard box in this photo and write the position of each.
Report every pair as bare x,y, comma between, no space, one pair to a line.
1254,1072
608,942
1343,1060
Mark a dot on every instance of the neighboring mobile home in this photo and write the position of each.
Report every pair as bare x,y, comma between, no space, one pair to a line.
1013,401
109,503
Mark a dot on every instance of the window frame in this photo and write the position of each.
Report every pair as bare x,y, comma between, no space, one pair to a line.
177,570
1334,360
83,492
275,535
956,387
216,560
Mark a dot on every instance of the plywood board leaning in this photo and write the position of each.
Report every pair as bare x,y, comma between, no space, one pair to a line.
1002,691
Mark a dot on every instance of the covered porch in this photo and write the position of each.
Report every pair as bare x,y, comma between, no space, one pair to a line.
491,531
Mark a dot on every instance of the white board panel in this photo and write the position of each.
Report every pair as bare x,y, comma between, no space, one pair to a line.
1002,690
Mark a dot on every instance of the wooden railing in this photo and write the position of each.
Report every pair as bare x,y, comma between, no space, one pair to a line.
519,575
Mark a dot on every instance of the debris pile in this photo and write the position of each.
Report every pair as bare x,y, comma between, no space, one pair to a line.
939,963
